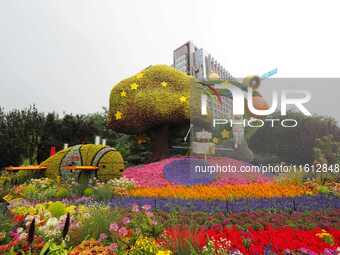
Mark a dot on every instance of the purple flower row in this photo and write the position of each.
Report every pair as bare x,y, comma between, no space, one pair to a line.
302,203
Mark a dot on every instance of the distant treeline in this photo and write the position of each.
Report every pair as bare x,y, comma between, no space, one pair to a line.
297,145
27,135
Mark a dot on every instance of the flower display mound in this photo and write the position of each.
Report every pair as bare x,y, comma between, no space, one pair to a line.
149,175
182,171
175,170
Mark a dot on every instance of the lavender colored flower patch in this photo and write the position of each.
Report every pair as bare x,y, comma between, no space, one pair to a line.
182,171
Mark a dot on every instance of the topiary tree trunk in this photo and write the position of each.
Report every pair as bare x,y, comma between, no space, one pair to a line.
159,142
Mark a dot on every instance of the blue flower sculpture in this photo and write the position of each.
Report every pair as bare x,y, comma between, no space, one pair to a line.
186,172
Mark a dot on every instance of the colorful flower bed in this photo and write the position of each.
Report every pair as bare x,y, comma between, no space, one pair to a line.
176,170
98,229
161,208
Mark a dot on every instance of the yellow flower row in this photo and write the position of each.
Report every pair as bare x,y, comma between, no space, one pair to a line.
212,192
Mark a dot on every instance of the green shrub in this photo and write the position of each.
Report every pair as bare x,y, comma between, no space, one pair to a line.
98,222
30,192
40,189
51,248
103,192
62,192
57,209
5,225
88,192
324,189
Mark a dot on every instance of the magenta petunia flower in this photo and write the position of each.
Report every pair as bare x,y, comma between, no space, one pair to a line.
113,227
126,220
113,246
123,231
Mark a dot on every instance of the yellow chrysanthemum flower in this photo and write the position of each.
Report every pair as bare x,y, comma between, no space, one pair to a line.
118,115
123,93
139,76
225,134
134,86
183,99
166,252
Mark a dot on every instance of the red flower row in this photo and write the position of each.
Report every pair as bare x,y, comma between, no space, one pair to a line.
251,241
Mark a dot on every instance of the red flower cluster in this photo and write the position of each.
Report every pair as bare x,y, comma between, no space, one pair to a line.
7,247
19,218
250,241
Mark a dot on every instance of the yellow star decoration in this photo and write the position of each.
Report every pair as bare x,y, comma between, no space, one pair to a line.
134,86
164,84
118,115
123,93
139,76
183,99
215,140
225,134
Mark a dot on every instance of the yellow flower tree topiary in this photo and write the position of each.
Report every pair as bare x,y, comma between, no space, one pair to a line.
151,102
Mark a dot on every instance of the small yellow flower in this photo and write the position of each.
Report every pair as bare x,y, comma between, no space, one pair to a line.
2,236
323,234
183,99
71,209
225,134
139,76
166,252
164,84
58,180
215,140
118,115
123,93
134,86
8,198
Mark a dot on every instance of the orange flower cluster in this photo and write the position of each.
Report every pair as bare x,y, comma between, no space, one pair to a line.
225,192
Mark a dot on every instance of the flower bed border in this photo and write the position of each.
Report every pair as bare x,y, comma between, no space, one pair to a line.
301,203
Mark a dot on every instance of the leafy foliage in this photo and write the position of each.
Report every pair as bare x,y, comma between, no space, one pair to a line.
294,145
57,209
20,132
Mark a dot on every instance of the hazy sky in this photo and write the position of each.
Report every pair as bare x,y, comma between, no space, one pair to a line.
65,55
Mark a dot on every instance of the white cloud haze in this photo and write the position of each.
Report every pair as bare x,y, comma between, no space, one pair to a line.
66,55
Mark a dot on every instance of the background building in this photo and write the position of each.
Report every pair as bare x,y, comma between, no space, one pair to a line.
198,63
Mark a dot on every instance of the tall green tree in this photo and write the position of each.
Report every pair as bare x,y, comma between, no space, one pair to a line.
20,133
